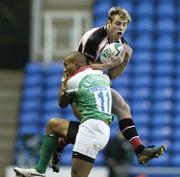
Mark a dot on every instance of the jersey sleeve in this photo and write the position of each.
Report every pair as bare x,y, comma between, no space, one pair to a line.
71,86
88,48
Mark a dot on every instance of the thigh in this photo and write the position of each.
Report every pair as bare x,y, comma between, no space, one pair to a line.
117,98
58,127
80,168
119,107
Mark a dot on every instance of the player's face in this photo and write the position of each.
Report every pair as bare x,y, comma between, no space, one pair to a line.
69,67
116,27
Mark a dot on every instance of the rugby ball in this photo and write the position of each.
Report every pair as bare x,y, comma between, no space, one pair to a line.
112,51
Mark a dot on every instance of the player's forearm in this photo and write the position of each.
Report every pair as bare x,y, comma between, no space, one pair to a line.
64,100
116,71
104,66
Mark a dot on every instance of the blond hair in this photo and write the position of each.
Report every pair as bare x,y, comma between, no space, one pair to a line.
123,13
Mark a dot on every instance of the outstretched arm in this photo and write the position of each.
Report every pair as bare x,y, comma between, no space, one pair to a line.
108,65
64,98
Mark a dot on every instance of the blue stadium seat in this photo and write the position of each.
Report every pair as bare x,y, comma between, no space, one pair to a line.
144,24
29,118
99,21
126,4
161,119
160,132
164,68
159,142
165,25
101,8
31,105
143,131
176,120
176,134
143,41
162,106
144,8
142,81
55,68
142,56
164,81
33,80
177,104
177,84
27,129
164,56
142,68
175,160
141,119
51,106
34,68
141,92
164,42
140,106
122,81
52,93
53,80
167,8
162,93
178,44
175,147
32,92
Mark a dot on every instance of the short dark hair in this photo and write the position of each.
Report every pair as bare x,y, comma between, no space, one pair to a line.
123,13
76,56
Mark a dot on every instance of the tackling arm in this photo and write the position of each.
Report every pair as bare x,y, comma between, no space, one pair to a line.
109,65
118,69
64,98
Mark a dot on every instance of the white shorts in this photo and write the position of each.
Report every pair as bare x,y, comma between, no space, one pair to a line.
92,136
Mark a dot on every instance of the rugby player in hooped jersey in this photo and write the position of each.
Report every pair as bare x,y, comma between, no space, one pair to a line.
90,90
91,45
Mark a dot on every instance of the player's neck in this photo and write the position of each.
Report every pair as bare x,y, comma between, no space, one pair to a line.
82,68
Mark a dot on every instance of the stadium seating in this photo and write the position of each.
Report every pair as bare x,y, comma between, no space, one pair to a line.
144,8
144,24
167,8
166,25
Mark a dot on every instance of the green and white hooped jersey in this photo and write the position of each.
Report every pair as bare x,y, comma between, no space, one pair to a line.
91,94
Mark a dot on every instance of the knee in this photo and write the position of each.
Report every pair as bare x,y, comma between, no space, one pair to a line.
52,123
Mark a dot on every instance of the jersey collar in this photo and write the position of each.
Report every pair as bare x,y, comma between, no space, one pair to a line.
80,70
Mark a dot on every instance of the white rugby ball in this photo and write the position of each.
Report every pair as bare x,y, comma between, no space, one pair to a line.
112,51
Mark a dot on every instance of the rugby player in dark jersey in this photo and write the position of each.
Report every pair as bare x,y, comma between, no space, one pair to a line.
91,45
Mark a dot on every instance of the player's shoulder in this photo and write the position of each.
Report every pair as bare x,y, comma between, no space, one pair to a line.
73,82
95,33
